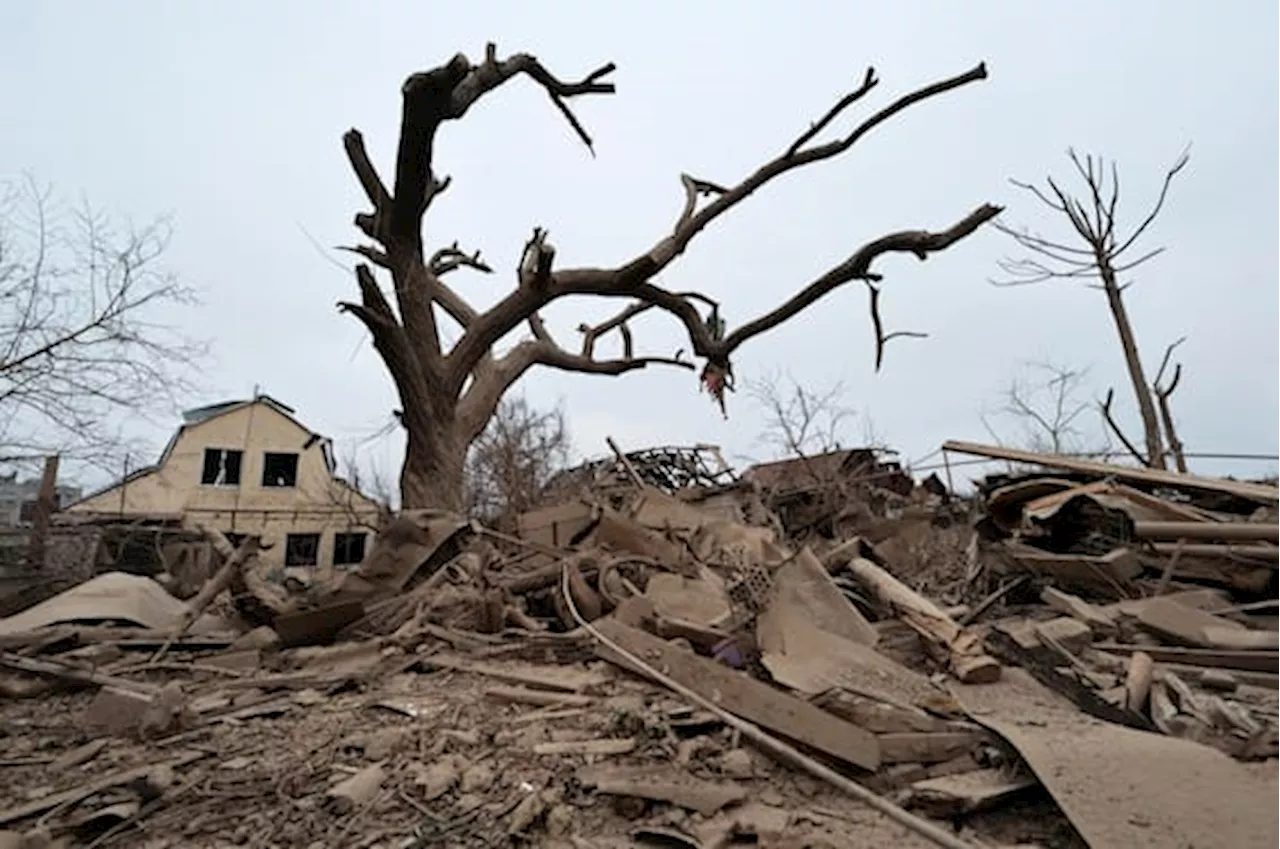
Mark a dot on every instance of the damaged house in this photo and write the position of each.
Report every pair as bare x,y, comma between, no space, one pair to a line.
247,467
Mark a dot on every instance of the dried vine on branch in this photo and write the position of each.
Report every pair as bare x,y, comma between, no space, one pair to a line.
448,397
1101,253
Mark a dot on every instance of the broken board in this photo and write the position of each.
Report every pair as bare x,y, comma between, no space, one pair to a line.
741,695
1125,788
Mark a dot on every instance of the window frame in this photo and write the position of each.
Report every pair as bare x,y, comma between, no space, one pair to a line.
267,455
347,536
288,539
227,452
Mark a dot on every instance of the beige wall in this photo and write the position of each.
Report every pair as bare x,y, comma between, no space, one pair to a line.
318,504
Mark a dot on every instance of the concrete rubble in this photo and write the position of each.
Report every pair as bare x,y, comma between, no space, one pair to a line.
819,653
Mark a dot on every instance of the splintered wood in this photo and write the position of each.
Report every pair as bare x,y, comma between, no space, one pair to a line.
745,697
963,648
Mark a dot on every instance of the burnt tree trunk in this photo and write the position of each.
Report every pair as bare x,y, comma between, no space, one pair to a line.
1133,361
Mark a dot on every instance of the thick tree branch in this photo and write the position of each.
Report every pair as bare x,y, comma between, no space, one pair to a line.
662,254
921,243
634,278
482,398
446,93
374,189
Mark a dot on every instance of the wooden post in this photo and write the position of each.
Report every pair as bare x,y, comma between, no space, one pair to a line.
45,505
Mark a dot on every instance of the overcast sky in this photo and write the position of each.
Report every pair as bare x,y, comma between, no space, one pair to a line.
229,116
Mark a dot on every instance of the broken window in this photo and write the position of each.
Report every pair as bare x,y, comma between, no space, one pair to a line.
348,549
279,469
221,467
301,549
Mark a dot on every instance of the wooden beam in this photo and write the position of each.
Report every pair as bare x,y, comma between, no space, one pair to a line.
1253,491
743,696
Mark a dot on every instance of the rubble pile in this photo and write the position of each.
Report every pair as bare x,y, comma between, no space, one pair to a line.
820,653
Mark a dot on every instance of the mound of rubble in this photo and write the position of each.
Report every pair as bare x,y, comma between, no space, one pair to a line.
820,654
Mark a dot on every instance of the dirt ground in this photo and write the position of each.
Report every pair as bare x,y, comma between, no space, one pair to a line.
265,768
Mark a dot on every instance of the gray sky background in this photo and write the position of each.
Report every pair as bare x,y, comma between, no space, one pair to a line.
229,116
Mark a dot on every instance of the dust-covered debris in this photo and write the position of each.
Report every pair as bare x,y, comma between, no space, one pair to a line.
665,653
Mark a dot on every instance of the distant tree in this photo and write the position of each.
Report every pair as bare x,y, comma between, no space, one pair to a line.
511,462
799,421
1045,405
83,335
449,396
1096,249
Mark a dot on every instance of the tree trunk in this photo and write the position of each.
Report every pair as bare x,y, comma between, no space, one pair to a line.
1146,408
432,473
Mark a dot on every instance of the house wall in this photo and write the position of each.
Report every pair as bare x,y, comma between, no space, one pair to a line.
319,503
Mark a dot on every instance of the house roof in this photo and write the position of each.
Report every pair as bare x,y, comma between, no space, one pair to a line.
198,416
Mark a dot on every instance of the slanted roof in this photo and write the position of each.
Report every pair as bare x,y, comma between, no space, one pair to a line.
212,411
198,416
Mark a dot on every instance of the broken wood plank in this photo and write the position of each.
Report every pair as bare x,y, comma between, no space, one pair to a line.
877,716
1235,639
1099,621
1181,624
1261,493
1258,661
660,784
66,672
962,647
1109,574
233,560
604,746
522,695
537,677
1204,598
927,747
741,696
92,788
967,792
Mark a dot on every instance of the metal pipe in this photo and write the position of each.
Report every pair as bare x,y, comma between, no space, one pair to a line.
1226,531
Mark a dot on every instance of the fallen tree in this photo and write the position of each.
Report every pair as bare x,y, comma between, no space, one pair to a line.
448,396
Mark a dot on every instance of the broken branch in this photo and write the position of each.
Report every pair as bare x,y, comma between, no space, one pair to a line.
1115,428
451,258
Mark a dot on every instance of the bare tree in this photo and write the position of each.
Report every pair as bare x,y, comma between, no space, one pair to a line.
356,478
799,422
82,335
1045,402
510,464
449,396
1100,253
